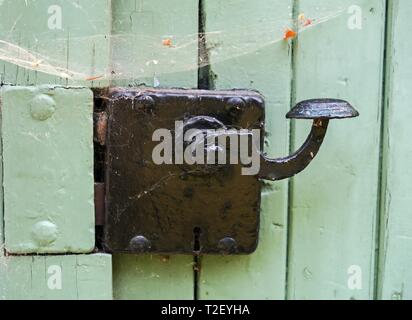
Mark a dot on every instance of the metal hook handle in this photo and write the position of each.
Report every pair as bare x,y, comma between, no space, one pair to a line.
321,111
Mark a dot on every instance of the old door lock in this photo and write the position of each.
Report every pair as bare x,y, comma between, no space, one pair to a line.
183,168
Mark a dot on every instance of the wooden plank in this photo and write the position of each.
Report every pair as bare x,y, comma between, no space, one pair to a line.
139,56
155,44
246,50
1,196
334,202
55,42
56,277
153,277
48,169
395,279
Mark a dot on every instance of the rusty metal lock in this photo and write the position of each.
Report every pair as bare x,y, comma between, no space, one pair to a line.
178,206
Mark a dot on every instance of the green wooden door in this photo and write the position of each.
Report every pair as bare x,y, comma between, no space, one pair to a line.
339,230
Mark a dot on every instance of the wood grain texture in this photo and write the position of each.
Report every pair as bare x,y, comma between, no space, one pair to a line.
334,201
83,277
154,43
153,277
48,169
395,278
78,46
333,204
246,50
1,195
138,56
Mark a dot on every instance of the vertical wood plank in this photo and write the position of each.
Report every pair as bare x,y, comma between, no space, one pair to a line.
31,53
139,57
1,192
47,135
334,202
154,43
395,278
55,42
246,50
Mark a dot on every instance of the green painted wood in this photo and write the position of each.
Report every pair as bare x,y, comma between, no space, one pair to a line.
247,51
38,277
395,279
138,56
334,201
333,205
153,277
44,51
1,195
48,169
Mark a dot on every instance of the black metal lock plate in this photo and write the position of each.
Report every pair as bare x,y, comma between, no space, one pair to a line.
177,208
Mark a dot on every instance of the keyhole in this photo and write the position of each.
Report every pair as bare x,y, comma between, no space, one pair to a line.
196,259
196,239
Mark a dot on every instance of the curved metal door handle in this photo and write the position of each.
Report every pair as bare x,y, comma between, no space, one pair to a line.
321,111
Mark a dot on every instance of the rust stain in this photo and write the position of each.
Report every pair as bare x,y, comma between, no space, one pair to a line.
289,34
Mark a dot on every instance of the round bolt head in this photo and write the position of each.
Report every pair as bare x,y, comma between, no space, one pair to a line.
147,103
237,103
227,245
42,107
235,106
44,233
140,244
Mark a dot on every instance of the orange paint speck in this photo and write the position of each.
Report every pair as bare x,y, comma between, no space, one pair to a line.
167,42
289,34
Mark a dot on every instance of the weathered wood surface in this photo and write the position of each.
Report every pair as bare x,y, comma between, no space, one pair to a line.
154,43
68,277
395,277
347,212
333,205
47,135
64,42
